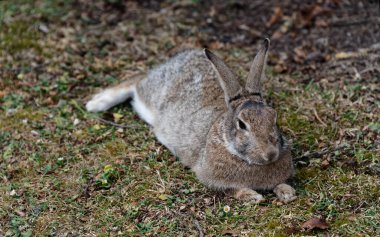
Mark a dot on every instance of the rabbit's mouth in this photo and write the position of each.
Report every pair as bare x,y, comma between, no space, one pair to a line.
256,161
265,160
255,158
261,159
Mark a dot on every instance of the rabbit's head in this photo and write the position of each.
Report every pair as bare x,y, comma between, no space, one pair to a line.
250,128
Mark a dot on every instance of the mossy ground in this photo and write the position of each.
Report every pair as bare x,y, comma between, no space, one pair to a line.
64,173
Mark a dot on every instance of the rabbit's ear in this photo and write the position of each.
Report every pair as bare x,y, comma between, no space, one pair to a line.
256,73
226,77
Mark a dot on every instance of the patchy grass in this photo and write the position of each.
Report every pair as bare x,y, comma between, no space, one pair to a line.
63,172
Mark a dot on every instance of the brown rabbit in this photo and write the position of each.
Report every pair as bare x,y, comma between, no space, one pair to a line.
224,132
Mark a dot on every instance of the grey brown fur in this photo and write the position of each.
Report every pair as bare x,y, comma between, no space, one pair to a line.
224,132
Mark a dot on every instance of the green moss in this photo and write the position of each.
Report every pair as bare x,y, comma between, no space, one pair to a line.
308,132
340,222
15,121
19,35
307,173
116,147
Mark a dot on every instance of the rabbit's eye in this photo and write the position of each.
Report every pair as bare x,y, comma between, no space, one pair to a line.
273,139
241,125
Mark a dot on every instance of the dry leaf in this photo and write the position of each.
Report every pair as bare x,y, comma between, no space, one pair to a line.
290,230
315,223
280,67
300,52
163,197
21,213
215,45
277,14
277,34
2,94
316,11
117,117
325,164
321,23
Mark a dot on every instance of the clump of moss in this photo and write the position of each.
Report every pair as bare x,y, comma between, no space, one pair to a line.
308,132
18,36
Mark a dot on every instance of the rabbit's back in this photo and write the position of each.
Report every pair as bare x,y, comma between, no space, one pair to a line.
185,98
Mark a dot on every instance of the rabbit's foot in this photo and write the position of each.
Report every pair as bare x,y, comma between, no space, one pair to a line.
106,99
285,193
249,195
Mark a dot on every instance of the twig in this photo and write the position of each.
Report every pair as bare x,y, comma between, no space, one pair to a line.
115,124
368,70
76,105
318,154
318,118
196,223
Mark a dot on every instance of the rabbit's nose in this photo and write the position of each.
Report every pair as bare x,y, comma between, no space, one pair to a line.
272,155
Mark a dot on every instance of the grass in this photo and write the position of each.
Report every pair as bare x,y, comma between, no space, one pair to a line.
65,173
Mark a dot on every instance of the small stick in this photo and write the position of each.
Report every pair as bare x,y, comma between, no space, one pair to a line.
76,105
318,118
196,223
115,124
318,154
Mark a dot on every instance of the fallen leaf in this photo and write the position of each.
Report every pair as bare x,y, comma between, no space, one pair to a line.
321,23
316,11
315,223
280,67
117,117
277,34
2,94
163,197
277,14
300,52
108,168
325,164
284,28
215,45
21,213
98,127
290,230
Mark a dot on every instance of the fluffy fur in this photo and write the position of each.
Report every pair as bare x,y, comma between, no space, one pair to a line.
223,131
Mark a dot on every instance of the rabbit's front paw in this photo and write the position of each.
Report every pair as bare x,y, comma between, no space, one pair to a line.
249,195
285,193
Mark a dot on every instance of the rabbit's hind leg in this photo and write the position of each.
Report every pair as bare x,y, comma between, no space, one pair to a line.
113,95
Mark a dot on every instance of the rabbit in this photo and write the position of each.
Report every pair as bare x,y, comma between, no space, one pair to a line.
223,131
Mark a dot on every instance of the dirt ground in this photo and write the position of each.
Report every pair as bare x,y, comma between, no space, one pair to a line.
66,172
